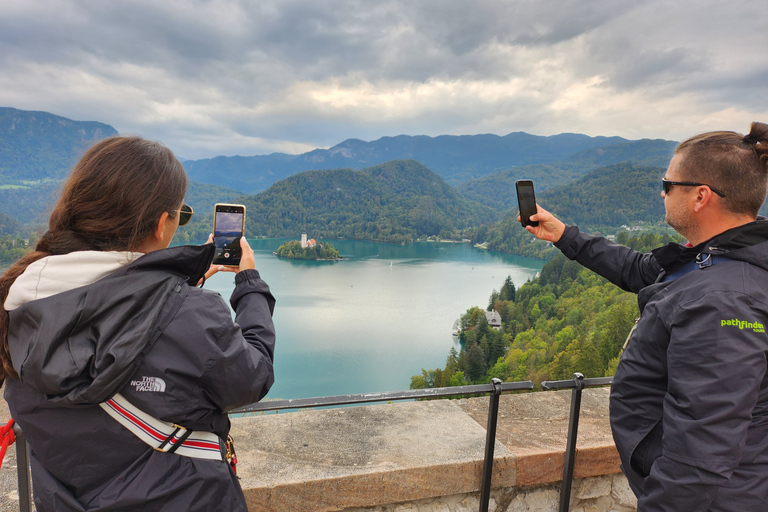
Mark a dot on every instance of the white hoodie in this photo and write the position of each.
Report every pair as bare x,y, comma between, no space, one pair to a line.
56,274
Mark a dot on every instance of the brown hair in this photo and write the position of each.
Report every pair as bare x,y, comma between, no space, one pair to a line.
735,164
111,201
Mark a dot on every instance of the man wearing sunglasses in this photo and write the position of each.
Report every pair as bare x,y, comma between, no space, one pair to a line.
689,402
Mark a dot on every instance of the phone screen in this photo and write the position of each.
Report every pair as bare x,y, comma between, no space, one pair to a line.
227,231
526,201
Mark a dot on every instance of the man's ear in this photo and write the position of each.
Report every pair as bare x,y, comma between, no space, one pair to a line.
703,198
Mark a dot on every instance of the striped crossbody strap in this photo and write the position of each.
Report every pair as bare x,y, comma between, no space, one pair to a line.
161,435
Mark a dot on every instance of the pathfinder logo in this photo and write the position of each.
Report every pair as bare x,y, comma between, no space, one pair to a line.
149,384
741,324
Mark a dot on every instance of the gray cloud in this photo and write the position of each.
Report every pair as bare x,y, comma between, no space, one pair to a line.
227,77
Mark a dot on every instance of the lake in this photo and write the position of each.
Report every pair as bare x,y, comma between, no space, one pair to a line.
369,323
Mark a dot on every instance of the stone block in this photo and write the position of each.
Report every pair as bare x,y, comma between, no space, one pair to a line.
469,504
621,492
543,500
593,488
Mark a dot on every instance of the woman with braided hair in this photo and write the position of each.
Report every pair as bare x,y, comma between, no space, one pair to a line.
118,369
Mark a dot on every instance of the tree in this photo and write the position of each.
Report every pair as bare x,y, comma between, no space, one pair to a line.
492,300
507,290
475,363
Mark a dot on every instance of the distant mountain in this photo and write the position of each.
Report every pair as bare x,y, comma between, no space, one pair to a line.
38,145
29,206
395,202
497,191
455,158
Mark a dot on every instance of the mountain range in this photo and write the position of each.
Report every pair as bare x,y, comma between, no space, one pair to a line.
457,159
393,189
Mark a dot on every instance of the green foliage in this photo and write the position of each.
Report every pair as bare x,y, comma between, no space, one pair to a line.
12,248
623,193
320,251
567,320
393,202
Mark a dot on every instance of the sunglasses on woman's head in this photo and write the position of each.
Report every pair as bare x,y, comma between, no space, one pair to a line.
185,213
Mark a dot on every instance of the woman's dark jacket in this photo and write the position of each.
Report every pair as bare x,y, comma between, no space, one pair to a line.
689,402
170,349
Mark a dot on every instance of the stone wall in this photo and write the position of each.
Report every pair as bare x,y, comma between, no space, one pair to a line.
609,493
420,457
428,457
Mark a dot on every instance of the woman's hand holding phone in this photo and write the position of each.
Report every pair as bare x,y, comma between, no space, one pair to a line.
247,260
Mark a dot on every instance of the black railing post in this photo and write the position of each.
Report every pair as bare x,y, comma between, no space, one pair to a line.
570,447
22,468
490,444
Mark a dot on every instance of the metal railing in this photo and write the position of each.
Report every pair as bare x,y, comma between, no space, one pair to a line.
578,383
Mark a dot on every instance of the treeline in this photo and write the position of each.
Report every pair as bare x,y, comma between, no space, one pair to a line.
319,251
567,320
14,247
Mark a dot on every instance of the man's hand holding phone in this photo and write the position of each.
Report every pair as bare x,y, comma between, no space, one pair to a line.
549,228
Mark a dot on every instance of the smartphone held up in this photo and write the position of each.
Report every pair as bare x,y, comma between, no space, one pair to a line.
228,227
526,202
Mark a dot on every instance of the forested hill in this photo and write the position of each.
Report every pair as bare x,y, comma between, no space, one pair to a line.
394,202
456,158
601,201
610,196
39,145
497,191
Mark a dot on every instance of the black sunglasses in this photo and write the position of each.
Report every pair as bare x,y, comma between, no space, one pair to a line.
185,213
666,185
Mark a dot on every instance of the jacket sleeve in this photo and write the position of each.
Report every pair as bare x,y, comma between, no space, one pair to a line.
715,371
241,372
628,269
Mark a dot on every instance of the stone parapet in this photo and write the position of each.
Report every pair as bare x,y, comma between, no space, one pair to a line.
422,456
428,456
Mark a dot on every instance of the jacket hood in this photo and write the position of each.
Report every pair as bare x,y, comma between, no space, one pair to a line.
81,345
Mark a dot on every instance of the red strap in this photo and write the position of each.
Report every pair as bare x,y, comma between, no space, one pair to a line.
8,438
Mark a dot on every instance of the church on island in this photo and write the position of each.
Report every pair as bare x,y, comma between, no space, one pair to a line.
307,243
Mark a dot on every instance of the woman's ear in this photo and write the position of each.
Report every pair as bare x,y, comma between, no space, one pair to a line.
159,233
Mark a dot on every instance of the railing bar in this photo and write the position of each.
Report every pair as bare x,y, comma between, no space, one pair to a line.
490,445
570,447
22,465
298,403
567,384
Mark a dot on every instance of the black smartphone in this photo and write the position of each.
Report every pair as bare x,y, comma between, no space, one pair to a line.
228,227
526,202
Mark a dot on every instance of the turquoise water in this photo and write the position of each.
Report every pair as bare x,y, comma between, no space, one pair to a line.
369,323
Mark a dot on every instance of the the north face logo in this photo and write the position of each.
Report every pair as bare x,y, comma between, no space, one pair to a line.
149,384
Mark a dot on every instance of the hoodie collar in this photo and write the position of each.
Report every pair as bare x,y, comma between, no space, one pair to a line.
60,273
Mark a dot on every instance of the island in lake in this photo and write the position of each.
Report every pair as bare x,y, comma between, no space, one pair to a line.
308,250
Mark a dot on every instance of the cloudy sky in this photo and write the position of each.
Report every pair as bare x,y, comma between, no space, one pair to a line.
258,76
